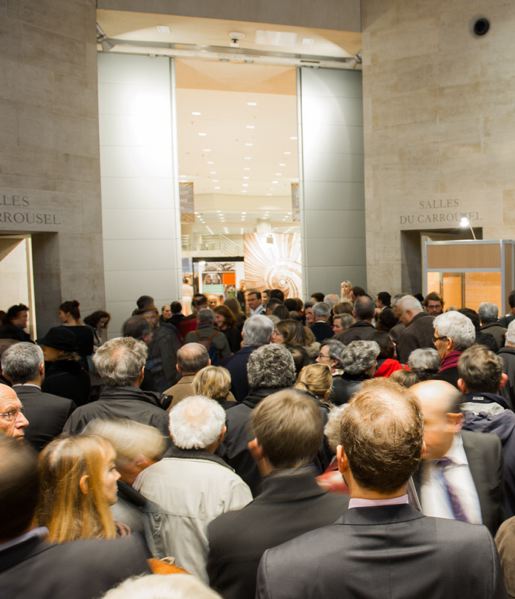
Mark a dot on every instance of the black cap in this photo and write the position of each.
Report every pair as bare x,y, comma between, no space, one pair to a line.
60,338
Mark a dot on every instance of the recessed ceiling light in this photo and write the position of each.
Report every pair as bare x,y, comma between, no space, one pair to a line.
216,181
251,103
247,157
293,138
196,113
244,184
280,163
249,144
246,168
250,127
245,177
206,150
278,174
212,172
210,162
275,182
217,188
244,190
226,230
286,153
243,213
163,29
202,134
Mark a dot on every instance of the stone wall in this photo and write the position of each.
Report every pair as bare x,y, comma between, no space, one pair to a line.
439,122
49,155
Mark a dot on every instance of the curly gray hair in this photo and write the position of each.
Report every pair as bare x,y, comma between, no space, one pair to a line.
359,357
271,366
457,327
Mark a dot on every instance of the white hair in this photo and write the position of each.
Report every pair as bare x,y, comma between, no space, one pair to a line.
257,330
331,299
409,302
119,362
457,327
196,422
510,333
424,358
157,586
321,310
21,362
488,312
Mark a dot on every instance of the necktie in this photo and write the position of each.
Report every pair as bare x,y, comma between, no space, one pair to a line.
454,499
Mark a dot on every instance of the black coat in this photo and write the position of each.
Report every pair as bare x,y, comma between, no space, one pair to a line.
67,378
344,388
9,331
76,570
162,357
46,413
322,331
508,391
291,503
418,333
234,448
122,402
237,367
384,552
359,331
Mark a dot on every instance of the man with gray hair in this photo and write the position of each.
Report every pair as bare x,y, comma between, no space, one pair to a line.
453,334
419,327
256,332
321,327
488,317
424,362
120,363
362,329
191,484
23,365
191,358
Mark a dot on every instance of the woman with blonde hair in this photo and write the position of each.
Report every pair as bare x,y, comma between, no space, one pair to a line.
78,486
317,381
215,382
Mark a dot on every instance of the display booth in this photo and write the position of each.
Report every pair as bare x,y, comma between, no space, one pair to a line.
467,273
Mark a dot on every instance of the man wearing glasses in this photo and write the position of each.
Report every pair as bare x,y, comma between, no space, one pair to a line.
12,421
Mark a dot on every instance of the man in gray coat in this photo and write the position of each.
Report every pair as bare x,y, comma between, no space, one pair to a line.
382,547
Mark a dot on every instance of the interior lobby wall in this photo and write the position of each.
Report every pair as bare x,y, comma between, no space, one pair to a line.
139,181
49,156
439,122
333,221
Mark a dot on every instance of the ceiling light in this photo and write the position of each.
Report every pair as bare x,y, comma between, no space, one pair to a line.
206,150
246,177
243,213
244,184
212,172
210,162
268,194
278,174
247,157
286,153
244,190
196,113
249,144
217,188
163,29
280,163
293,138
202,134
246,168
250,127
275,182
251,103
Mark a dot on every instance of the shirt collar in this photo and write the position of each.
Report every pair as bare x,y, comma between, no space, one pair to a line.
27,385
356,502
456,452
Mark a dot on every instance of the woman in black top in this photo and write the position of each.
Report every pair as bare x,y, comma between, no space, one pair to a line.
226,323
69,315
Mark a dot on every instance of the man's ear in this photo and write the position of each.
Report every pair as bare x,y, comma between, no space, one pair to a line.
504,381
462,386
222,434
424,452
342,460
255,449
455,419
42,369
84,484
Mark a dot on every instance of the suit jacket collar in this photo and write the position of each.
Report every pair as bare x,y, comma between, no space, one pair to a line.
194,454
362,323
388,514
27,388
289,485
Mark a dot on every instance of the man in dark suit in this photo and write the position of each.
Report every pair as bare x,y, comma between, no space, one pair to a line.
256,332
287,428
32,567
461,476
24,366
418,331
321,327
382,547
362,329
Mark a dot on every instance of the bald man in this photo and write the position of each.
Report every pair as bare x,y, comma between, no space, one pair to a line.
191,358
12,421
461,476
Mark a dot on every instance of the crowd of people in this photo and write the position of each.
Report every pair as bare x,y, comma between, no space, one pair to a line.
348,446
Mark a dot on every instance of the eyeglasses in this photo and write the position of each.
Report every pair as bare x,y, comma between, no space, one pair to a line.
435,339
11,415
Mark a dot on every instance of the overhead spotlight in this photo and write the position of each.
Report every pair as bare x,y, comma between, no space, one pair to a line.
236,37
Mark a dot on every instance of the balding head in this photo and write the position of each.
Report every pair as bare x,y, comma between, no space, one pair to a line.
440,405
191,358
408,307
12,421
381,438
